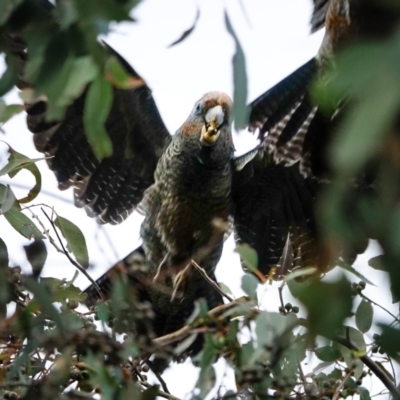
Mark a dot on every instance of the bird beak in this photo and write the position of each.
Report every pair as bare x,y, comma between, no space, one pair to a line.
211,129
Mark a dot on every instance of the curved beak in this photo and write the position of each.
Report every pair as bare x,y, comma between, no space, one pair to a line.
211,129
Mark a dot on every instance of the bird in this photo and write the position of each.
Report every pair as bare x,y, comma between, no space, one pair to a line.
190,186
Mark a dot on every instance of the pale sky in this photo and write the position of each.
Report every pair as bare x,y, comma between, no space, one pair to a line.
276,40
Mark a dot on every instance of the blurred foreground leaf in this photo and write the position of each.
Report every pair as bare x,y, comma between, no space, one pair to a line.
76,242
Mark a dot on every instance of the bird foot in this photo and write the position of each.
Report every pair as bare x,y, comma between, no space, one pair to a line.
180,281
158,273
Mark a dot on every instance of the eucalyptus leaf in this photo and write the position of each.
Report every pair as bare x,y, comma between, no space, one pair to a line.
248,255
76,242
7,198
22,224
9,111
327,353
17,162
62,291
240,110
97,106
377,263
249,286
364,315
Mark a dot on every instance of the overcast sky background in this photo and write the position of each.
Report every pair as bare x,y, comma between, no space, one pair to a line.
275,38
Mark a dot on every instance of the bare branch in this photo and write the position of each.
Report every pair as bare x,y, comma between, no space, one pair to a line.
160,392
210,281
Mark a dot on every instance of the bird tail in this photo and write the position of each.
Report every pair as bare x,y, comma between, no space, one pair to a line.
167,315
132,266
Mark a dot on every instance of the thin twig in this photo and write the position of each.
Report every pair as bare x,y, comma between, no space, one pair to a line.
15,384
73,262
280,290
45,231
394,374
42,191
340,386
158,376
378,305
372,366
187,329
160,392
210,281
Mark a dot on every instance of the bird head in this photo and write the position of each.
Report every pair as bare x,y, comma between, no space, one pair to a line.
210,116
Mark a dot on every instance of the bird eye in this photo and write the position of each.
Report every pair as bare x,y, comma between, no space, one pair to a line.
198,107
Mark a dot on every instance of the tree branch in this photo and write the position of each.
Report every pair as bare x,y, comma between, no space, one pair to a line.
187,329
372,366
73,262
210,281
160,392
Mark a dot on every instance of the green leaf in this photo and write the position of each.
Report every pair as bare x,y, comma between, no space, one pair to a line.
97,106
119,77
62,291
364,315
3,255
328,305
300,273
248,255
36,253
9,77
9,111
240,110
206,378
185,344
327,353
249,286
4,284
269,326
390,341
224,288
150,393
364,394
366,125
17,162
22,224
7,198
322,366
83,70
44,300
349,268
355,336
347,356
377,263
76,242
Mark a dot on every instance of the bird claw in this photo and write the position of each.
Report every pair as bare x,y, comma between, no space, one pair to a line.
158,273
179,283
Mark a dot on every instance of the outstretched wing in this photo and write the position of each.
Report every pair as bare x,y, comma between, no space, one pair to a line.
275,186
290,125
274,212
318,15
109,189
